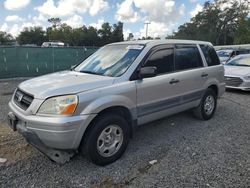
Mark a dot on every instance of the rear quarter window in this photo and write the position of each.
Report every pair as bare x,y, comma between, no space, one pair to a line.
210,55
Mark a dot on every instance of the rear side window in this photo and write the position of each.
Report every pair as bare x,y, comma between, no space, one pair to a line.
210,55
163,60
187,57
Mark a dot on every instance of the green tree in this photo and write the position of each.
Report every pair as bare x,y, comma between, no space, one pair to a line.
217,23
55,22
243,33
130,36
105,33
61,33
5,38
117,33
32,35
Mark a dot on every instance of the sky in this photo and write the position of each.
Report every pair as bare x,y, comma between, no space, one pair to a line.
164,16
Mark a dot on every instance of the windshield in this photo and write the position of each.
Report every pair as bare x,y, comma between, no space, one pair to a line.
112,60
224,53
241,61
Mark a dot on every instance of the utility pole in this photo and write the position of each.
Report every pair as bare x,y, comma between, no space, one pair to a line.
147,23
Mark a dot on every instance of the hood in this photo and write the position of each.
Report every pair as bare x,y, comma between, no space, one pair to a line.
231,70
65,82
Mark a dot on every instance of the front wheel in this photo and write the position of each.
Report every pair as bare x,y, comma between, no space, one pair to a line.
107,139
207,106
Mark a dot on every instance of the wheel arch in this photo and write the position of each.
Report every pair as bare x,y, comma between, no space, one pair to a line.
215,88
118,109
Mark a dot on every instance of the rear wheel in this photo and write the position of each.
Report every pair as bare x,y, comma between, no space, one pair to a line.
107,139
207,106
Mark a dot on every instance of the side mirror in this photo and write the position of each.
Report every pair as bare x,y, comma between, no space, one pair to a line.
72,67
147,72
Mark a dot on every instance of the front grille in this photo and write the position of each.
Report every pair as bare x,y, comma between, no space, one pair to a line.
22,99
233,81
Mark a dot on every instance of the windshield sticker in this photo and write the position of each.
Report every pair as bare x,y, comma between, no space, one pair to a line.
134,47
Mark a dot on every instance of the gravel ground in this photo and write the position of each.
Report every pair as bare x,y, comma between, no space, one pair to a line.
189,153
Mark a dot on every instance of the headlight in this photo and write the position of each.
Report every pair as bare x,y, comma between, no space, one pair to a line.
62,105
247,77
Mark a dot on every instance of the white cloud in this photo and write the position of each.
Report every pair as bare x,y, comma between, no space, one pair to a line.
4,27
163,15
99,23
49,8
193,1
70,7
164,11
198,8
40,18
155,29
97,5
13,18
15,29
126,13
15,4
74,21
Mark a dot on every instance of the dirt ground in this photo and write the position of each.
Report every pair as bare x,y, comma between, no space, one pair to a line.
13,147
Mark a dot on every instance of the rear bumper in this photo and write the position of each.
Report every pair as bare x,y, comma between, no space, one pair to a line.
221,89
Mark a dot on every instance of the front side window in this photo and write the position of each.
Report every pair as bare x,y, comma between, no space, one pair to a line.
163,60
211,56
111,60
187,57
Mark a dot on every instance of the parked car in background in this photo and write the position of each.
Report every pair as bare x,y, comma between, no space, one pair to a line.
53,44
95,107
227,54
237,72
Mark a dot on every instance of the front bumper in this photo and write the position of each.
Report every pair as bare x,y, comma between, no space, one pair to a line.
233,82
240,88
59,156
50,133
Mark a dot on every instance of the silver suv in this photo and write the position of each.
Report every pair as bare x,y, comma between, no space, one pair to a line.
95,107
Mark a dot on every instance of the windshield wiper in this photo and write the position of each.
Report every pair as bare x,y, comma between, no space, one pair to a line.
90,72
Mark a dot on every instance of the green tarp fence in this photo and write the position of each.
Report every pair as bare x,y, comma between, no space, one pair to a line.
35,61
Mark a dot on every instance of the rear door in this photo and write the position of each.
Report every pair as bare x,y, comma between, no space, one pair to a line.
191,71
214,68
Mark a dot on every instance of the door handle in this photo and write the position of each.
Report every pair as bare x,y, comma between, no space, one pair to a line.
174,81
203,75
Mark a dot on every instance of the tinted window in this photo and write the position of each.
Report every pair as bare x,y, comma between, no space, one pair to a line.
187,57
210,55
163,60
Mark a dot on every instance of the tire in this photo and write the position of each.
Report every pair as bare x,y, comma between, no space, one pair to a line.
204,111
106,140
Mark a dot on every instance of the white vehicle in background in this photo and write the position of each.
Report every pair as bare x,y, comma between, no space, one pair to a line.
237,72
225,55
53,44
